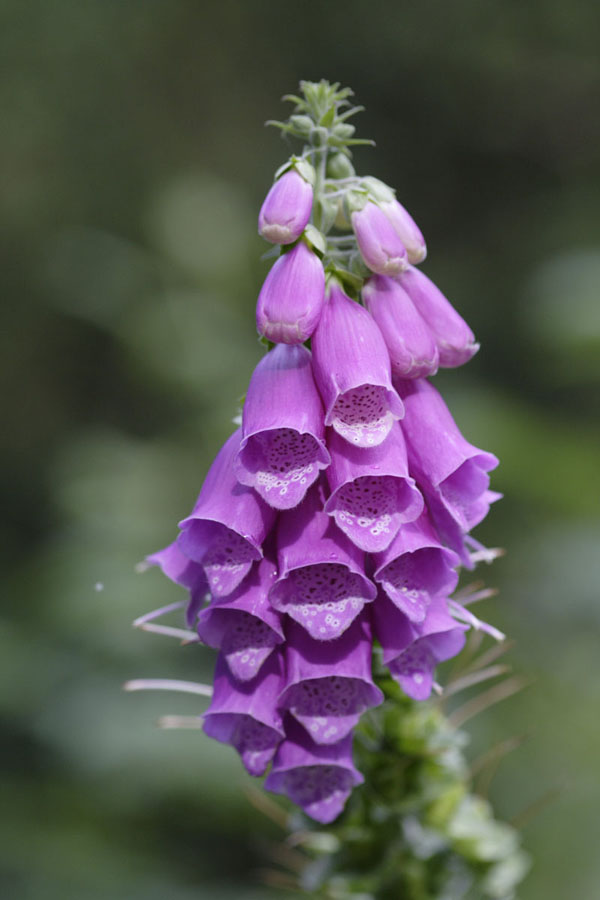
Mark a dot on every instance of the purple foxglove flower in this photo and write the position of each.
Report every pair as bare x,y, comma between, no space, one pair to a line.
411,652
244,714
282,449
412,349
318,777
455,341
329,683
407,230
451,470
352,371
372,494
415,568
181,570
228,524
378,241
286,209
244,626
322,584
291,299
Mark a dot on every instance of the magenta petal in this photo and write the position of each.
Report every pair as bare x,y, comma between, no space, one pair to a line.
244,714
244,626
352,371
455,340
411,346
282,449
228,525
406,229
443,462
372,494
329,683
415,568
291,299
286,209
414,668
180,569
412,651
378,241
318,777
322,584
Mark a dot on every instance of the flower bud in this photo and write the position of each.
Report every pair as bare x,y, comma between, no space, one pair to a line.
412,348
291,299
455,341
378,241
286,209
407,230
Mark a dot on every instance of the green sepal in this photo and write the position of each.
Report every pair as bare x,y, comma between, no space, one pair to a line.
378,190
315,238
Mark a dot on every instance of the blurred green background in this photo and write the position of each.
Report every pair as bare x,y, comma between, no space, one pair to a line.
134,161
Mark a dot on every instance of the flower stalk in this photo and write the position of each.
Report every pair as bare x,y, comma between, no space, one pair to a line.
322,554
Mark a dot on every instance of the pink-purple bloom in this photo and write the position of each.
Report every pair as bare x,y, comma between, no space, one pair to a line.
322,583
318,777
378,241
410,343
227,526
340,511
372,493
291,299
283,447
352,371
454,339
286,209
407,230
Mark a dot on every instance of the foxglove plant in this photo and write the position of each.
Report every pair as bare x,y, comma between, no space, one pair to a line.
326,541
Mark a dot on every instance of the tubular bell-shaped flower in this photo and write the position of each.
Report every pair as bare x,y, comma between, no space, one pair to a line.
282,449
318,777
410,651
286,209
455,341
244,625
415,568
446,465
352,372
291,299
329,683
321,584
378,241
244,714
372,494
411,346
227,526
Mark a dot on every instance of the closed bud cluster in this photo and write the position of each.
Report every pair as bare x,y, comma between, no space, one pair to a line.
339,512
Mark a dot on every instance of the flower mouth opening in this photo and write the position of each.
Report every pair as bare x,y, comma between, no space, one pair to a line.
225,555
255,742
370,510
324,598
281,464
362,415
330,707
245,640
412,579
320,790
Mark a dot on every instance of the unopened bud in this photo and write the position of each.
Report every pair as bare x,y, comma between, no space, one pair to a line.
286,209
291,299
378,241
